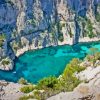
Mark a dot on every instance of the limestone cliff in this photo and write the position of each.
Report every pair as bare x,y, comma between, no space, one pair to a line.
29,24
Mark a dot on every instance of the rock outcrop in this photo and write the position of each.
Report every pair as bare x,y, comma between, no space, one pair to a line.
6,64
85,91
9,91
33,24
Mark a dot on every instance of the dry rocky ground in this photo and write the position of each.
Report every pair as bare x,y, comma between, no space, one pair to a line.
9,91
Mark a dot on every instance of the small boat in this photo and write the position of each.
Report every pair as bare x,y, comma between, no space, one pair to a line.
14,72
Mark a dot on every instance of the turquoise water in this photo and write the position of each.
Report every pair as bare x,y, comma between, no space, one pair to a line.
35,65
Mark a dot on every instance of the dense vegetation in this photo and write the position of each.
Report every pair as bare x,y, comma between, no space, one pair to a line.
27,89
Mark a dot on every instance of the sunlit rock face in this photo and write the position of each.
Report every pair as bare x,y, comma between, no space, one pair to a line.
46,22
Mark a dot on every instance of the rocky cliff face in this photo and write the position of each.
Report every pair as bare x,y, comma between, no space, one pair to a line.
33,24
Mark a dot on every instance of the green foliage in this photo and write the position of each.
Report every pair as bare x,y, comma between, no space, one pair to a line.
60,37
70,33
26,97
63,25
72,67
68,75
97,17
48,82
51,85
97,56
38,95
71,82
2,38
93,55
89,28
5,62
60,34
22,81
32,22
27,89
15,46
93,51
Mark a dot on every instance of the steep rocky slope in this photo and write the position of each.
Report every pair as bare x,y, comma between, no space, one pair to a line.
33,24
85,91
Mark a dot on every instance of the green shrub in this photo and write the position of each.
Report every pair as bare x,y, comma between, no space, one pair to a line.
22,81
70,33
72,67
48,82
68,75
38,95
60,37
93,51
90,28
2,38
93,55
5,62
26,97
61,86
27,89
71,82
97,56
97,17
